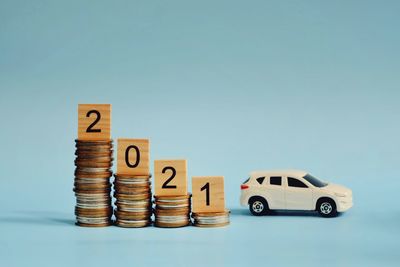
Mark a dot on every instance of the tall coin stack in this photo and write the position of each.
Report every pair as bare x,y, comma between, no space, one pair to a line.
92,183
133,200
172,211
211,219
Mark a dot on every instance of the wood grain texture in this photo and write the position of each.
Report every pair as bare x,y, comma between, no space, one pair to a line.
143,166
85,120
217,194
180,179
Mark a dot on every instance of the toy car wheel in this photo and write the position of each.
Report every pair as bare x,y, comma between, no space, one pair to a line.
327,208
258,206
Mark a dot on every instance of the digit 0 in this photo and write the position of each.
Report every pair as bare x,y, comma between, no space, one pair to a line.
128,163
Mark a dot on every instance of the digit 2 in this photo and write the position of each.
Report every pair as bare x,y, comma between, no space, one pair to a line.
130,165
207,188
98,116
166,183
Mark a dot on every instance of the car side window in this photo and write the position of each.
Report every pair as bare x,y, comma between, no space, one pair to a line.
260,180
275,180
293,182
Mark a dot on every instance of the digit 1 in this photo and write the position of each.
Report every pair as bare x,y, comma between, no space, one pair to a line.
207,188
127,156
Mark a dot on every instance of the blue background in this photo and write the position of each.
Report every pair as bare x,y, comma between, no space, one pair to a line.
232,86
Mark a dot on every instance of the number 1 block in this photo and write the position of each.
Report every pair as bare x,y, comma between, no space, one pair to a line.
208,194
94,121
170,177
133,156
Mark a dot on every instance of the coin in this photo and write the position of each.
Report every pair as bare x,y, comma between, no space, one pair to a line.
93,142
93,164
132,223
131,197
131,177
92,185
172,211
94,156
133,200
92,175
129,215
104,224
211,219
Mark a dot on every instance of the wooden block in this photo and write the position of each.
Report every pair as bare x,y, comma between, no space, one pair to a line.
170,177
94,121
133,156
208,194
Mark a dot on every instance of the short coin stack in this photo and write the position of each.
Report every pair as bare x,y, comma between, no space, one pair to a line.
172,211
211,219
133,200
92,183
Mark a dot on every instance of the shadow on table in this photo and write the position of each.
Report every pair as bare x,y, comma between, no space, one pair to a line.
246,212
37,218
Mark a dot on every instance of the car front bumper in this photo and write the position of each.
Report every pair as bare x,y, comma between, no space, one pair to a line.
344,204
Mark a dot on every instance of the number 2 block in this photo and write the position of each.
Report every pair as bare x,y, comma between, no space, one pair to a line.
170,177
208,194
94,121
133,156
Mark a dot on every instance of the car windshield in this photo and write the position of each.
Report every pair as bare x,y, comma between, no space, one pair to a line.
314,181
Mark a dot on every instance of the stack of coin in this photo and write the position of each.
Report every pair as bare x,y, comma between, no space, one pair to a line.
211,219
133,200
92,183
172,211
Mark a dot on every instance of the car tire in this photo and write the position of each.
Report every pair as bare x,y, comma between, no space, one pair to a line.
258,206
327,208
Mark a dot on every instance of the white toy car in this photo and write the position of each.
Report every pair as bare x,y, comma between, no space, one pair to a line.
293,190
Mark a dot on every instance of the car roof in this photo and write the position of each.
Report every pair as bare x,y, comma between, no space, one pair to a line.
295,173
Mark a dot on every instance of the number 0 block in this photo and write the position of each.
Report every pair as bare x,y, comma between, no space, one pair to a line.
94,121
208,194
170,177
133,156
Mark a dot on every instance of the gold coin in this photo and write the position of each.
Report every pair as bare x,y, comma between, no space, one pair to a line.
172,212
94,142
93,164
94,225
132,224
211,225
211,214
125,176
132,197
161,198
92,175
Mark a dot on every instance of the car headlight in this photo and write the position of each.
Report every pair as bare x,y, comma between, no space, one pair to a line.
340,194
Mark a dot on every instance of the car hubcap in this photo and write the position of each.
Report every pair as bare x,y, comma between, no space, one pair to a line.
326,208
258,206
